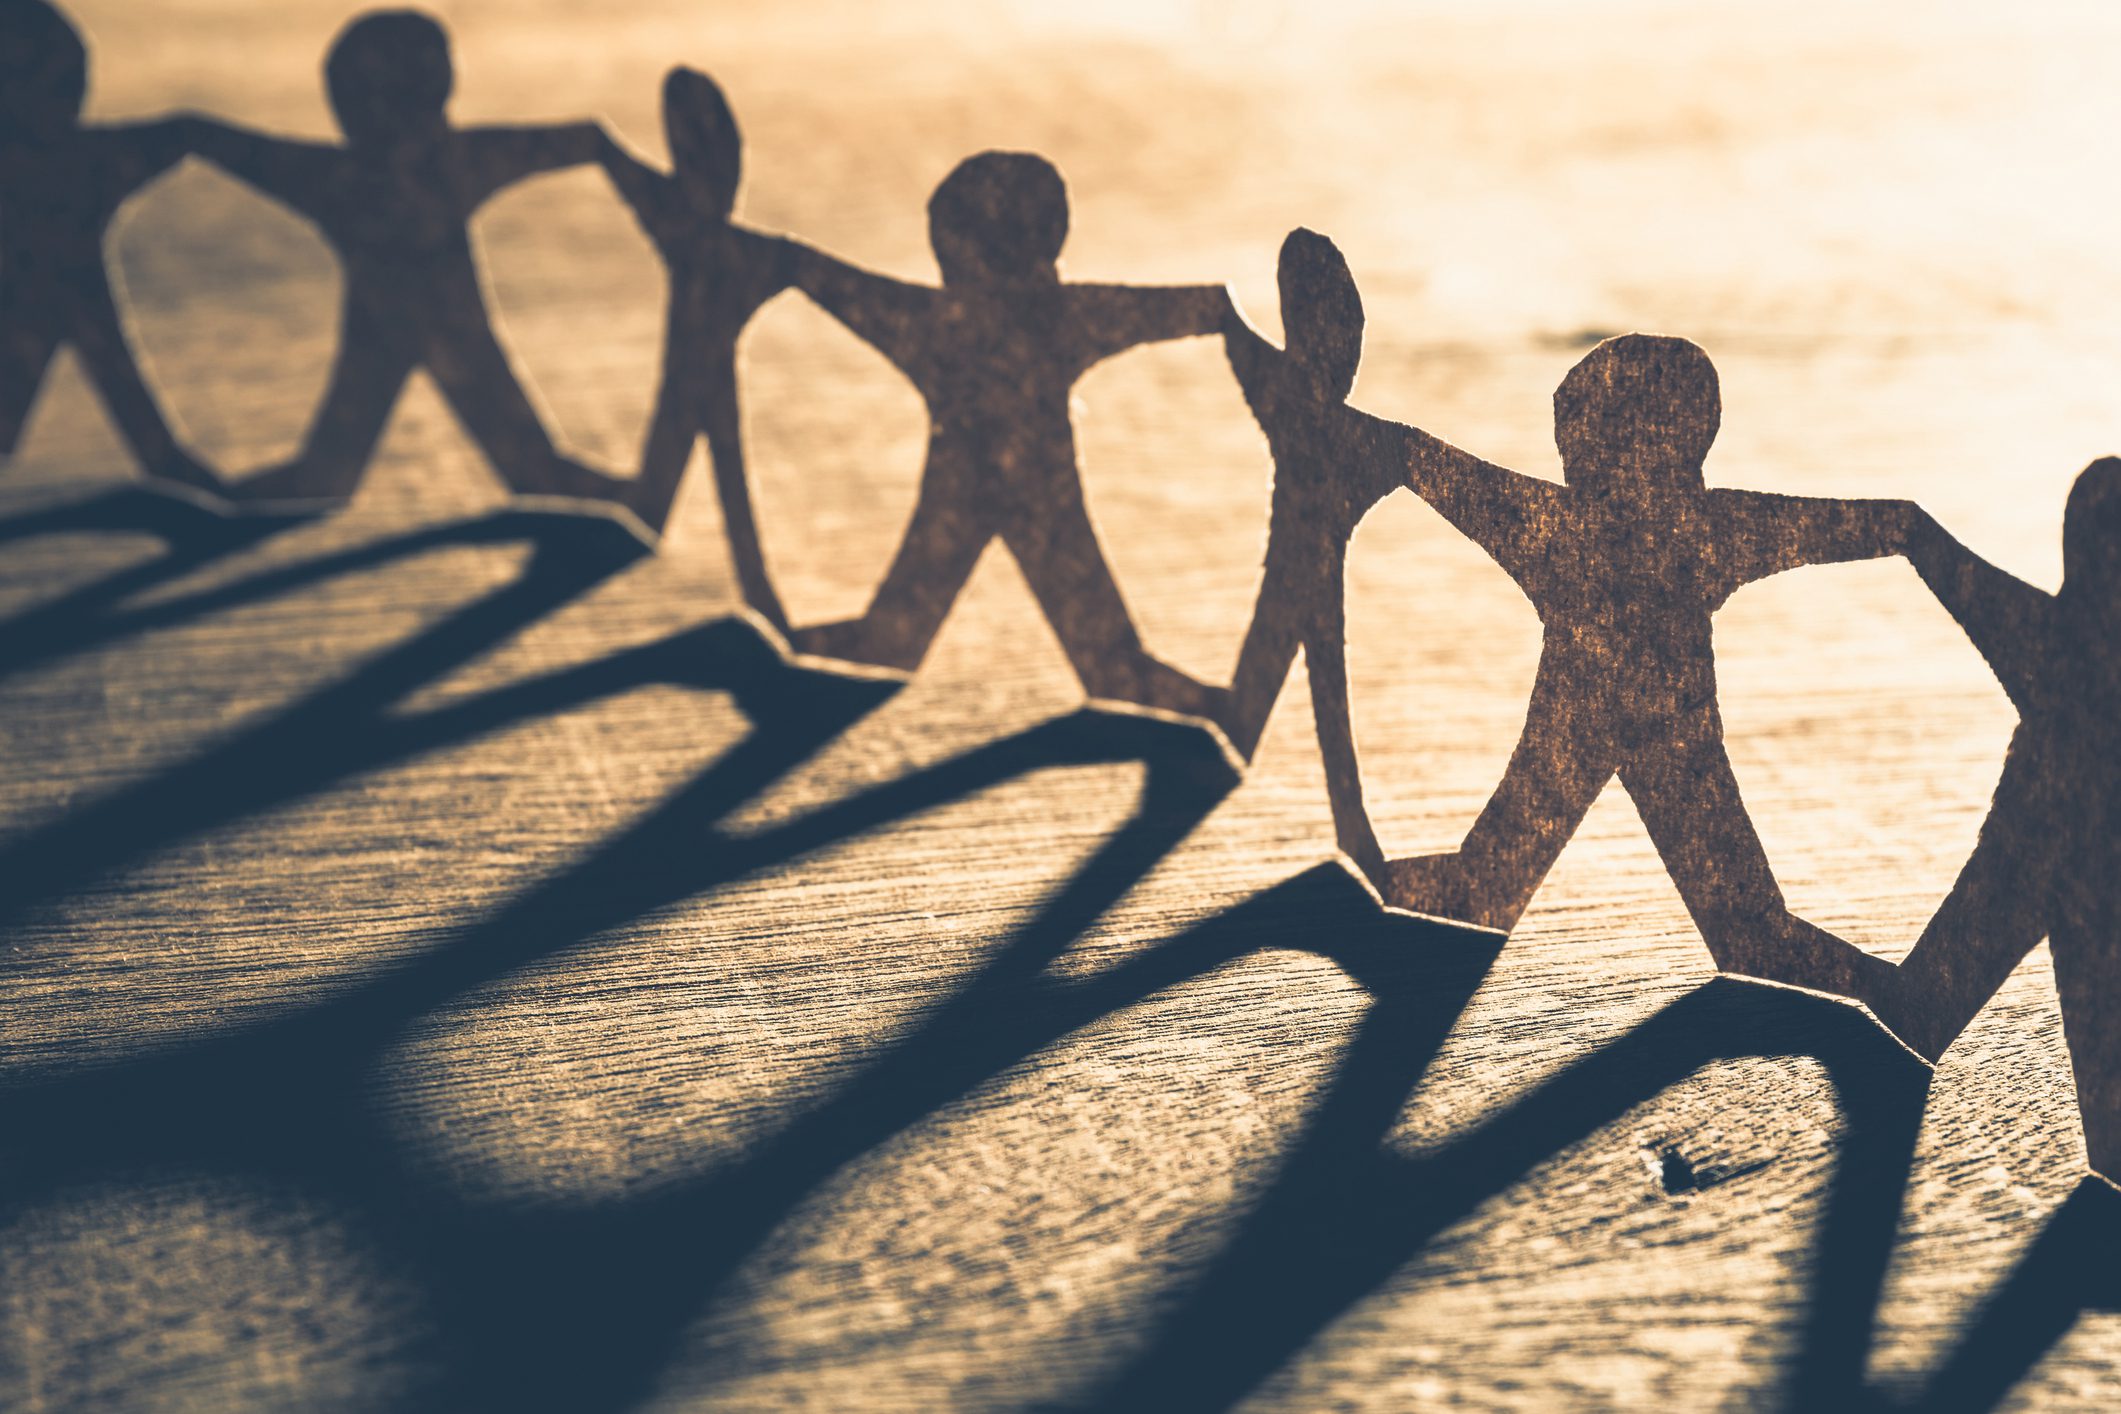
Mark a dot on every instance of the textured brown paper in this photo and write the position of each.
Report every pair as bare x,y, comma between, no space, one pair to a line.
2049,855
720,273
1332,463
1625,562
61,182
395,201
994,351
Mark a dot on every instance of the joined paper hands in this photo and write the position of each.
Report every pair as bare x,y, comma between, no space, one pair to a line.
1625,560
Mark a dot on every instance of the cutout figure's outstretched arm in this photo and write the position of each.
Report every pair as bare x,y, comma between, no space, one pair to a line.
289,170
498,157
144,151
1759,533
1109,319
891,315
639,185
2007,620
1252,362
1506,513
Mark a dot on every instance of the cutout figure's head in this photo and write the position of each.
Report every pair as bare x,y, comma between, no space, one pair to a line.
389,76
1321,311
706,149
2091,531
43,69
1638,411
999,216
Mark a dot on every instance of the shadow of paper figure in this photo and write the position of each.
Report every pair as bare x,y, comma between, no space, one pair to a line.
1625,563
1332,463
395,201
1345,1212
61,183
2049,852
993,353
79,619
2073,1267
720,273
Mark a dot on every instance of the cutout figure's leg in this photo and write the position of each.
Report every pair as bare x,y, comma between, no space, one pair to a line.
1563,759
2087,947
1998,910
1689,802
1269,648
27,345
108,357
371,369
720,417
673,427
940,550
1326,665
1058,551
485,394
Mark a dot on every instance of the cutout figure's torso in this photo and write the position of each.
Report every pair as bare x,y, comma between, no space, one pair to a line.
1625,588
1332,462
399,219
719,272
2068,744
996,378
57,198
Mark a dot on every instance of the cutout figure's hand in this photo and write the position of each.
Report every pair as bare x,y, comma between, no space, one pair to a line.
634,179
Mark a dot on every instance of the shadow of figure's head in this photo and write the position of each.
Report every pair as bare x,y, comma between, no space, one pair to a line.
389,76
1321,311
999,216
43,69
1639,412
2091,532
706,147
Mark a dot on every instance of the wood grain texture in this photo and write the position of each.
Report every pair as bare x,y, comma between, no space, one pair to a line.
535,1000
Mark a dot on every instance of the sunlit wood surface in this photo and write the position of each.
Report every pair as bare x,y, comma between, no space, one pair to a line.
608,1048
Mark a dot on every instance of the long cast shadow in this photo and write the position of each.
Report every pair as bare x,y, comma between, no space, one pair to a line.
1344,1215
672,1254
2072,1267
578,1312
87,618
325,736
191,538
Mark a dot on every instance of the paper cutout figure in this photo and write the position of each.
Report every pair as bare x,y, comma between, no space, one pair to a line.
1332,463
2049,855
994,352
395,201
1625,563
61,183
720,273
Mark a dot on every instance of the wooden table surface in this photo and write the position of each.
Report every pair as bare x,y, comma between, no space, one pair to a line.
446,964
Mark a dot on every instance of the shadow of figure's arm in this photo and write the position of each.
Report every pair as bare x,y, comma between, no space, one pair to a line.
500,156
889,315
1760,533
2007,620
289,170
1104,320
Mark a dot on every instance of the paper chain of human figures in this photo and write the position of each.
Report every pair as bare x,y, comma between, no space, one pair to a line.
1625,561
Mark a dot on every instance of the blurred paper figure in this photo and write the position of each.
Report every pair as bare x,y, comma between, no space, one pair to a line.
61,182
395,201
